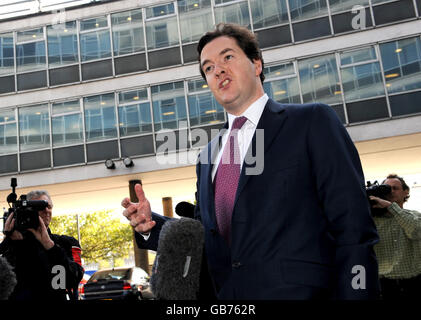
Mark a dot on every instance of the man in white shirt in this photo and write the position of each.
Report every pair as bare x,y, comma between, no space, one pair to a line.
297,228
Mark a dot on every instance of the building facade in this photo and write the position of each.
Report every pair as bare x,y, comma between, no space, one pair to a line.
100,80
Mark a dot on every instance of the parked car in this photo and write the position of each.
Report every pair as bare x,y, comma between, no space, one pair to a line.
130,283
82,282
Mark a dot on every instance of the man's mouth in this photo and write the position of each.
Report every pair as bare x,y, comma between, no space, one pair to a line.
224,83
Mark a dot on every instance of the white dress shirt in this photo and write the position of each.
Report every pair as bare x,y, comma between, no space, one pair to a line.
245,134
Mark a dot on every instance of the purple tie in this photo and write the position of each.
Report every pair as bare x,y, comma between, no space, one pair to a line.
226,180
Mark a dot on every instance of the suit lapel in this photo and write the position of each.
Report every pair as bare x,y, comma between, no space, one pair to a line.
271,122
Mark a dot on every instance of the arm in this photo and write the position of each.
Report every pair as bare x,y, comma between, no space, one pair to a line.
66,252
409,220
341,192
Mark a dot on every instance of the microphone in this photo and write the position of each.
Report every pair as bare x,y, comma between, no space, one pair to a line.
177,266
185,209
7,279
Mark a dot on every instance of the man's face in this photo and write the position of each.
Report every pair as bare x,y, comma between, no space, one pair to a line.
232,77
47,212
398,194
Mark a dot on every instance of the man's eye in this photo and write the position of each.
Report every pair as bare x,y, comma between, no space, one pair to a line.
208,69
229,57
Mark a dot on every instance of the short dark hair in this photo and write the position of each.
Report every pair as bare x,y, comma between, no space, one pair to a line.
245,39
403,183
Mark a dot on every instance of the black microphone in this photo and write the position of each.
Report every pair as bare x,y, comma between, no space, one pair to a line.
7,279
176,269
185,209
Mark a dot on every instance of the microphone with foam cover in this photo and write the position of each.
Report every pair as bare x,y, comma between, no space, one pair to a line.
176,269
7,279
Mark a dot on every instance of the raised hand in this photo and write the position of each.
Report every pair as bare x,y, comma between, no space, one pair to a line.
139,214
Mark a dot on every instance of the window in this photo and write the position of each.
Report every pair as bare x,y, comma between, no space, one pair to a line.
281,83
67,123
127,30
195,19
402,64
8,133
62,44
307,9
7,63
169,105
343,5
30,50
34,127
203,108
361,76
94,39
237,12
134,113
161,27
268,13
319,80
100,119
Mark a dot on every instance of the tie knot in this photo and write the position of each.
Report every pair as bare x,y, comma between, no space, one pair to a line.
238,122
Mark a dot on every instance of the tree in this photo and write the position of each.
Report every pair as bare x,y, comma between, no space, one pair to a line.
102,236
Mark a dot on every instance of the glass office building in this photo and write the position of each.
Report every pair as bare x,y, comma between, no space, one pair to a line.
100,81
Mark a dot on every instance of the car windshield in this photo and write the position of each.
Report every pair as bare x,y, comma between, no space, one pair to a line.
122,274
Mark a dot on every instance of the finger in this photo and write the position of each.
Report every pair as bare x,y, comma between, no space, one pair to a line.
130,211
10,222
145,227
138,219
125,203
139,192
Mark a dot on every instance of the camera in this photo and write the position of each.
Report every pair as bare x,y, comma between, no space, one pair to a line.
25,211
380,191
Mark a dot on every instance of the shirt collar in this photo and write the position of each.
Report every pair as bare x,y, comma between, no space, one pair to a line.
252,113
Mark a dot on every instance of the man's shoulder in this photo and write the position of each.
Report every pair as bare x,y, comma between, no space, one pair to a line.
64,240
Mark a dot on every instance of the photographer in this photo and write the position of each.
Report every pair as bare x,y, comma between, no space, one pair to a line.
399,249
35,255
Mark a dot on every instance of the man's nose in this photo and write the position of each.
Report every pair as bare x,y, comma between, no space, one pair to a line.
219,70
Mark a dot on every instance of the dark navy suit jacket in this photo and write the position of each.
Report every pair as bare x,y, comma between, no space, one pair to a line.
302,228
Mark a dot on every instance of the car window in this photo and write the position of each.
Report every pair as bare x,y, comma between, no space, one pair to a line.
122,274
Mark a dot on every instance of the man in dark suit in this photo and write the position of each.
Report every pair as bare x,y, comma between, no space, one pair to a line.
295,224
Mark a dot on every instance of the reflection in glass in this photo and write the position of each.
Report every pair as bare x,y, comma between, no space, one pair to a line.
268,13
195,19
132,96
307,9
127,30
402,64
30,35
203,108
279,71
362,81
91,24
169,105
162,33
95,45
283,90
135,119
344,5
319,80
6,54
235,13
100,118
8,133
359,55
34,127
62,44
30,56
67,127
159,11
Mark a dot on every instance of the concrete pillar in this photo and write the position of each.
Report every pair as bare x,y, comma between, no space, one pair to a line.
140,255
167,206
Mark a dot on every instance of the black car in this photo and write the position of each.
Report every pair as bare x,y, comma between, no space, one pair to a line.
118,284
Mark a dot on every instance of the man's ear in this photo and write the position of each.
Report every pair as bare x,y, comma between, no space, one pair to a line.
258,66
